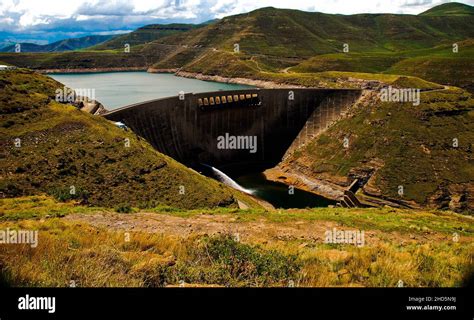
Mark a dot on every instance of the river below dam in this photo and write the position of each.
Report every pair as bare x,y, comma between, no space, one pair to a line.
279,194
118,89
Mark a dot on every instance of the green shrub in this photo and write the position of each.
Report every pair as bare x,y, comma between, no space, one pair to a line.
248,263
66,194
124,208
221,260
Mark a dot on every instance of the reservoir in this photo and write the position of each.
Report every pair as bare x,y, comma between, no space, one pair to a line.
118,89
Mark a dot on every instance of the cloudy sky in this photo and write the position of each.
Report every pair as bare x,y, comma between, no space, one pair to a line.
44,21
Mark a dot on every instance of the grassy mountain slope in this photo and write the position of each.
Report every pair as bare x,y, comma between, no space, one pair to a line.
293,33
439,64
276,40
145,34
449,9
62,45
63,147
442,65
84,59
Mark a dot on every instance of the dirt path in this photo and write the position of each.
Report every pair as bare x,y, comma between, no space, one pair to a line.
205,224
260,230
256,63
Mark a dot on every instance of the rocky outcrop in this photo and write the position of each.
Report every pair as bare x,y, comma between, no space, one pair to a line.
455,197
89,105
156,70
297,179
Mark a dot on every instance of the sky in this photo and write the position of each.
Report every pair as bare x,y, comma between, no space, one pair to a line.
43,21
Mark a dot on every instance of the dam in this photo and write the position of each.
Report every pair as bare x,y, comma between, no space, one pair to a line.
189,127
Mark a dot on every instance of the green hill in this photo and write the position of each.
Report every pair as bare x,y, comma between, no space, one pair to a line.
84,59
449,9
293,33
62,148
275,40
438,64
144,35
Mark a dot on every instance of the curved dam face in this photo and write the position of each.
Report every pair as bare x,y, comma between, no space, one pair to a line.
232,128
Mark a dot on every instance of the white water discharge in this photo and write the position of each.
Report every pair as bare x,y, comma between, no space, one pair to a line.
225,179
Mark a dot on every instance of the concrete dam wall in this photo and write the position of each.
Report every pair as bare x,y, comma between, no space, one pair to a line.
232,128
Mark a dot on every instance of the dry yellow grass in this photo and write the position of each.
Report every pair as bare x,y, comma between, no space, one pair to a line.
74,251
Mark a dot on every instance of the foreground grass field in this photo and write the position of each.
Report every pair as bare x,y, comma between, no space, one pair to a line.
88,246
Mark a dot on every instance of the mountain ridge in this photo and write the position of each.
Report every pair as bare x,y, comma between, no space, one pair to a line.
145,34
452,8
69,44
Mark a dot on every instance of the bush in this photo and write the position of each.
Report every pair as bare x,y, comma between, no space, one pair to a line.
124,208
220,260
64,194
250,264
8,124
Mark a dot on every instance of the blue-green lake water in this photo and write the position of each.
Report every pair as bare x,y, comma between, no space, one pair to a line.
118,89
